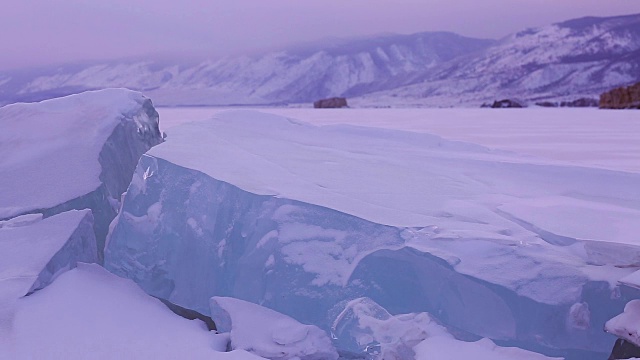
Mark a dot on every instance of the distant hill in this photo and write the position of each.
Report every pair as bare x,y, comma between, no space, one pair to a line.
564,61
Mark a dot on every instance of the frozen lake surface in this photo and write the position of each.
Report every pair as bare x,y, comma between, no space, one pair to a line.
588,137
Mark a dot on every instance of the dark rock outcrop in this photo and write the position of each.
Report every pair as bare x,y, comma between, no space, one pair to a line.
582,102
624,350
331,103
621,98
505,103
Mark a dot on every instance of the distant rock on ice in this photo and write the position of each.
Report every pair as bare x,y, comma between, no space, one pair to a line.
269,334
74,152
300,218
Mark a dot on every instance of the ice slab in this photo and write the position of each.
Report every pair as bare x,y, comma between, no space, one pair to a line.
34,251
627,325
73,152
269,334
88,312
299,218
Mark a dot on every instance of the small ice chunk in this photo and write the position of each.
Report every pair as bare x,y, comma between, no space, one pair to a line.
626,325
268,333
366,327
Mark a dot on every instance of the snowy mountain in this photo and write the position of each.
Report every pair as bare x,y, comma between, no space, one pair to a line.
298,74
576,58
564,61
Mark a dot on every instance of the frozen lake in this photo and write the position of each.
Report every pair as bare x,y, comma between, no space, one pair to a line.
587,137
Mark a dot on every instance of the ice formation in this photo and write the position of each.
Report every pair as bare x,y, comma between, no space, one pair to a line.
365,327
627,325
299,218
89,313
34,251
74,152
269,334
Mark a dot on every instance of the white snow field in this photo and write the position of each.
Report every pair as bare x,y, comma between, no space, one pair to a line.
73,152
526,250
588,137
88,313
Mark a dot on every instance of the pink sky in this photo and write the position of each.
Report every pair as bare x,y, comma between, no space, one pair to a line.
40,32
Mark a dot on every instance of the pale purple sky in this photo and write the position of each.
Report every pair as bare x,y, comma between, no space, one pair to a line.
41,32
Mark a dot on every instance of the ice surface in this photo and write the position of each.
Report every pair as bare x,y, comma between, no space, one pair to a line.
299,218
34,251
267,333
74,152
90,313
605,139
627,325
365,327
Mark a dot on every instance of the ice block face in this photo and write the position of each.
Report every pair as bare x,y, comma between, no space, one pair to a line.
34,251
269,334
74,152
299,218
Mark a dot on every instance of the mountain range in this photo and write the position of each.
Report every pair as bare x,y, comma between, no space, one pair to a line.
563,61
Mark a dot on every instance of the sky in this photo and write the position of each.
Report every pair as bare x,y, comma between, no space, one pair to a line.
45,32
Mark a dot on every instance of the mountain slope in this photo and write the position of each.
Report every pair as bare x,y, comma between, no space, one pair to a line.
299,74
576,58
581,57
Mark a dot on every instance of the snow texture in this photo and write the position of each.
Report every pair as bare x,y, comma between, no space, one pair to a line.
269,334
34,251
299,218
74,152
627,325
90,313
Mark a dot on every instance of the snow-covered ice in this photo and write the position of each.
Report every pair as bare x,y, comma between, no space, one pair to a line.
34,251
90,313
298,218
73,152
586,137
269,334
627,325
446,348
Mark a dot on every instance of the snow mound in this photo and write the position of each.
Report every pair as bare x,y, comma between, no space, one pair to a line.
267,333
74,152
444,348
88,312
627,325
